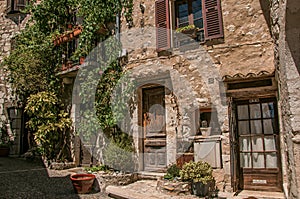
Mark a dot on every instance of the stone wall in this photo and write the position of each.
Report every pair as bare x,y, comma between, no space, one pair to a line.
10,25
247,46
286,30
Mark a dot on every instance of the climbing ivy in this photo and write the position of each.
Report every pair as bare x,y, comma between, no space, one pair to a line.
34,63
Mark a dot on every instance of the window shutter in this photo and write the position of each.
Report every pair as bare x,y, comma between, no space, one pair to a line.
162,22
212,15
8,5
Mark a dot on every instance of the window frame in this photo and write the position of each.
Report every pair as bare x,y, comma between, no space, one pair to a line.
166,17
190,12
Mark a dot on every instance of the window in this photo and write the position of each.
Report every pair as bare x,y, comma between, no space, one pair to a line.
205,15
15,6
189,12
258,134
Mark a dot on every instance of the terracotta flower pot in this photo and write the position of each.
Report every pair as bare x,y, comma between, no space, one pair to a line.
82,183
4,151
77,31
81,60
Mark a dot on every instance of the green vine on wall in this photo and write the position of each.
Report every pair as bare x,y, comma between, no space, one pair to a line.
35,61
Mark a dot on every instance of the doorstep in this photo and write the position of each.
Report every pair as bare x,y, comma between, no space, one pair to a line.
150,175
261,194
245,194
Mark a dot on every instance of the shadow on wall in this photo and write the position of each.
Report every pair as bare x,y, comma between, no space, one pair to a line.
293,30
265,6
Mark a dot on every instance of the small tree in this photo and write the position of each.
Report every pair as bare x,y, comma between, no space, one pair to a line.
50,124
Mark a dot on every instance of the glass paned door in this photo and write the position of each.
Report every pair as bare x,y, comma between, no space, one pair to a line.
257,132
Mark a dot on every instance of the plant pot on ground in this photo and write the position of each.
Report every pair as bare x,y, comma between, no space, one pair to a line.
4,150
201,189
5,140
82,183
81,60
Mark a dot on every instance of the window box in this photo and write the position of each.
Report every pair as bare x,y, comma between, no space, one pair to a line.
189,30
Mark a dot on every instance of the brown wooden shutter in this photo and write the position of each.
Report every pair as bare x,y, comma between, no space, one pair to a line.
162,22
8,5
212,15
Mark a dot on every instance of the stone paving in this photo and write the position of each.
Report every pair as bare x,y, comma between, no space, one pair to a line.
147,189
143,189
21,178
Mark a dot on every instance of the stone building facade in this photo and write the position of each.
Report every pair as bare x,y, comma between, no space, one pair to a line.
216,82
224,97
11,23
208,95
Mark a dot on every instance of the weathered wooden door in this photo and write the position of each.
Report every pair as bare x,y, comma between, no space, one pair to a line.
154,129
258,145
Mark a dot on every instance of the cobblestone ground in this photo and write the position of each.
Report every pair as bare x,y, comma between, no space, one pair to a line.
22,179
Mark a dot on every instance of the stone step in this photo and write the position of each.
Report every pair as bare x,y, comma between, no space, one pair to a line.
247,194
150,175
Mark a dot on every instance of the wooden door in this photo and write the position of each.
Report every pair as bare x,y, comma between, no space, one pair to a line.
154,129
258,145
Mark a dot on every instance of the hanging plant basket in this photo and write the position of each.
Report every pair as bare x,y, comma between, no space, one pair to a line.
189,30
82,183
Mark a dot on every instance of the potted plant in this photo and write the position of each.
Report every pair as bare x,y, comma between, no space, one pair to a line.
200,175
190,30
5,142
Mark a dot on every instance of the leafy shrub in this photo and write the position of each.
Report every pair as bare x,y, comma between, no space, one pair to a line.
5,140
118,158
97,168
49,123
172,172
196,172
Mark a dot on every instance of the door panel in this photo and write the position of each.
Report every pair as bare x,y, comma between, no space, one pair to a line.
154,129
259,157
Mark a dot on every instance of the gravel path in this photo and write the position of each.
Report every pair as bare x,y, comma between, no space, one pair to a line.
22,179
